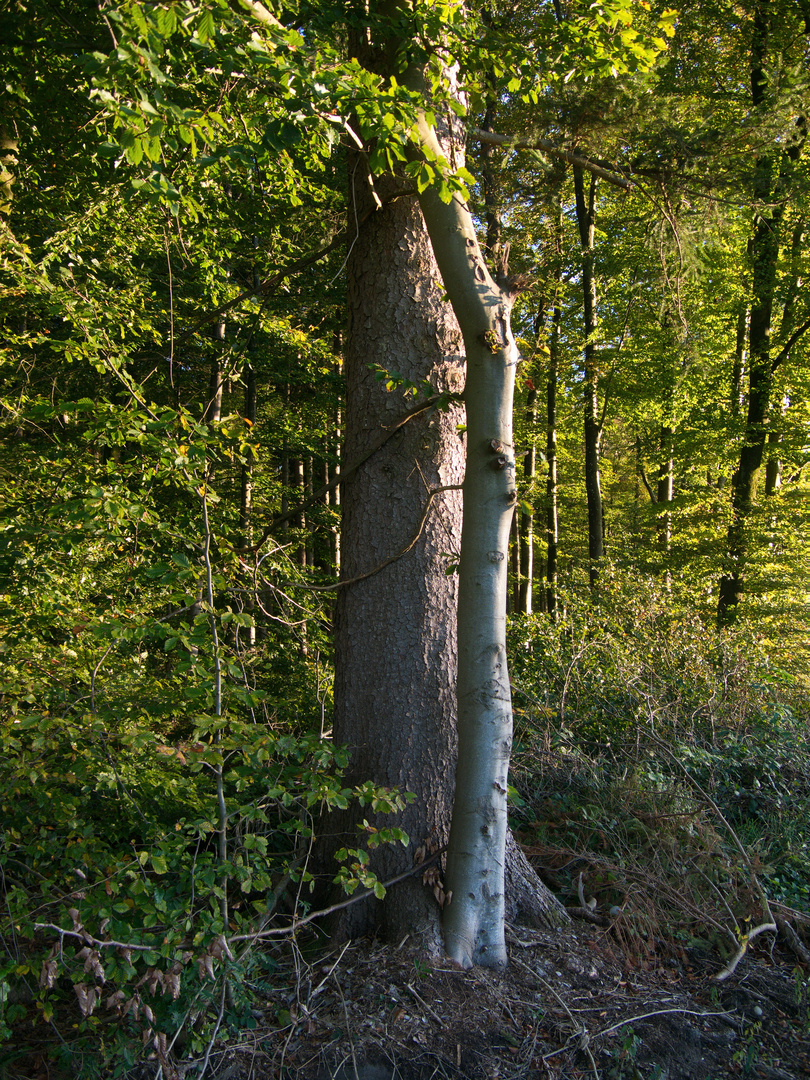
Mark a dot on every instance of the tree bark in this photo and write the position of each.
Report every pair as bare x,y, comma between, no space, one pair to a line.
213,408
586,220
395,638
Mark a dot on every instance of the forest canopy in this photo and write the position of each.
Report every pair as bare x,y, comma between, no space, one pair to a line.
199,205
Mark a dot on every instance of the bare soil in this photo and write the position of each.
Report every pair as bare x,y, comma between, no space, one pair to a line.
571,1004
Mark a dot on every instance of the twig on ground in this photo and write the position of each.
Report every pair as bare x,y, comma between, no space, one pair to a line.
580,1031
425,1005
732,964
320,985
658,1012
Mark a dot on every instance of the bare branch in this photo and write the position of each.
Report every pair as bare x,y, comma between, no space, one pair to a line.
386,562
517,143
362,895
346,472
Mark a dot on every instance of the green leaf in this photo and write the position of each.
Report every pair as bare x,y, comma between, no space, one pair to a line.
159,864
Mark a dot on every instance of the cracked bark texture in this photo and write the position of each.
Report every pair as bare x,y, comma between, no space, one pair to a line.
395,680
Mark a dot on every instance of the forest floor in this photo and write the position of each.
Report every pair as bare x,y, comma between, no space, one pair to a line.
572,1004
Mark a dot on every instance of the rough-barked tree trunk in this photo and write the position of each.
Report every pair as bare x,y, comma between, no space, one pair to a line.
395,644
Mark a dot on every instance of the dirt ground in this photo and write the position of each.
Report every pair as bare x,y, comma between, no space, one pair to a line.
570,1005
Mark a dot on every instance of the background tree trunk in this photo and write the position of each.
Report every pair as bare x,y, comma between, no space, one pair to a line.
552,519
764,249
526,521
586,219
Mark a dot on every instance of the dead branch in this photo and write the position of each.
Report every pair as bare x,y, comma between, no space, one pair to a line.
658,1012
386,562
743,949
546,147
346,472
794,941
296,924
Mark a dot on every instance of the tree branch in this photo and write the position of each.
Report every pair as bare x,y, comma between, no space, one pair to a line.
345,473
363,894
784,352
282,931
646,484
546,147
386,562
286,271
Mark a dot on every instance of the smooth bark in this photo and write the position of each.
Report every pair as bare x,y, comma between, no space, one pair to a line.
476,859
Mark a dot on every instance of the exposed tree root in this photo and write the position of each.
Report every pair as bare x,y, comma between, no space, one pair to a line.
527,898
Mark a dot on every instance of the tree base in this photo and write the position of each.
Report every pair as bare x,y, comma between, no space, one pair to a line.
527,898
411,911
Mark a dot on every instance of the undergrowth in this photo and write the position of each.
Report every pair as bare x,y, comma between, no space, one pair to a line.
156,839
661,770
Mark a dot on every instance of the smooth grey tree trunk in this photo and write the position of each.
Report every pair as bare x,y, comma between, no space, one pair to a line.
477,855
